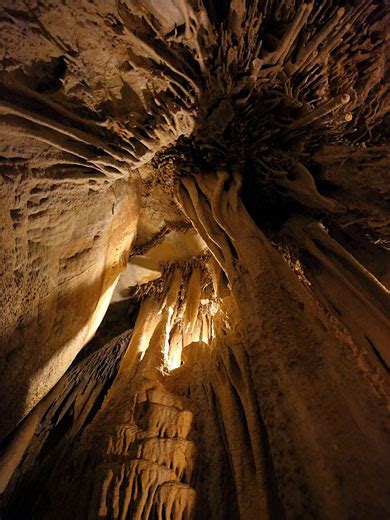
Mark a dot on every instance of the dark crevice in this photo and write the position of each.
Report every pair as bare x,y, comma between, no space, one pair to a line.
378,354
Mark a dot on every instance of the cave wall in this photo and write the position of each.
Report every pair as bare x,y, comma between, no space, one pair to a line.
263,408
64,243
271,388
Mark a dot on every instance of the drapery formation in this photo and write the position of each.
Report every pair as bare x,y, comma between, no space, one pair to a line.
293,351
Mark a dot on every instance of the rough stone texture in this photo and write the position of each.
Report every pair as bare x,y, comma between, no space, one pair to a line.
249,412
231,157
64,243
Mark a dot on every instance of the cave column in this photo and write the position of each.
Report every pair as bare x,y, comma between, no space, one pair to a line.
297,357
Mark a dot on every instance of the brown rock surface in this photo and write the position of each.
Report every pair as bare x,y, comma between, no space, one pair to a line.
227,163
63,246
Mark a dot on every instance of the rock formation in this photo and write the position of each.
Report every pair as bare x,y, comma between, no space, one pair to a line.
194,275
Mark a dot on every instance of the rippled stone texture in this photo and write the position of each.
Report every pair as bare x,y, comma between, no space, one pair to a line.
230,159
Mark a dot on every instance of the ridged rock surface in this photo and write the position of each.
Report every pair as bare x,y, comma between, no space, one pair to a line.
64,243
230,159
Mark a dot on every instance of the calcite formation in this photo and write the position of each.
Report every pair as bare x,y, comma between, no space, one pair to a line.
194,272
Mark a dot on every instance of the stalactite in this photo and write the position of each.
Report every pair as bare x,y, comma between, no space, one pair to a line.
193,300
142,441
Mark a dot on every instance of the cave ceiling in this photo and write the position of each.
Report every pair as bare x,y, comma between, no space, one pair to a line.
292,94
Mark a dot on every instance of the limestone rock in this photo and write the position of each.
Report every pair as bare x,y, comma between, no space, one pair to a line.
226,162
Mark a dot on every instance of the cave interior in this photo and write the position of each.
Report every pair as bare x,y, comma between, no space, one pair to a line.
194,273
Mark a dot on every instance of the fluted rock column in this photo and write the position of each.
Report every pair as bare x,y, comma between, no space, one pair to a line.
325,425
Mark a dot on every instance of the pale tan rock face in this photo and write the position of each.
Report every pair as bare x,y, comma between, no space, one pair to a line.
216,172
64,243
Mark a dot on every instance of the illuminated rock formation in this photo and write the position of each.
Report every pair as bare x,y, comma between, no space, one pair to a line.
207,178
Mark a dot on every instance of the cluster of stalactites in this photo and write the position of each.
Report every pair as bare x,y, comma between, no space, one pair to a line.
181,314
